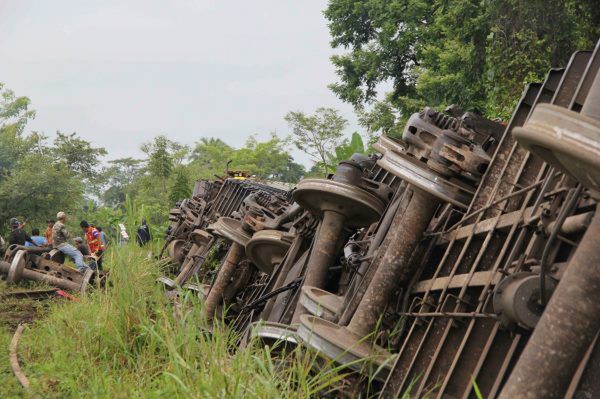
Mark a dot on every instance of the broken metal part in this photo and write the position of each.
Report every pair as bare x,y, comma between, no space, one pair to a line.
32,267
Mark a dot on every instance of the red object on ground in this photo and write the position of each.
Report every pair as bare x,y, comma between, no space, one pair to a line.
66,295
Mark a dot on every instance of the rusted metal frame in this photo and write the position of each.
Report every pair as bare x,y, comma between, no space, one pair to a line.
278,276
568,80
495,204
526,105
483,356
291,297
447,252
554,335
485,292
233,202
461,255
571,78
528,100
227,201
358,285
586,82
413,330
506,220
243,319
505,365
442,340
198,262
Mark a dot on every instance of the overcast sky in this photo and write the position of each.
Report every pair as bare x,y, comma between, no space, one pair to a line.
121,72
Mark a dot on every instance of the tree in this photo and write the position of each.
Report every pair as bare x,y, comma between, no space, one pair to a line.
118,178
318,134
80,157
348,148
160,160
267,160
181,187
35,195
14,115
210,157
476,54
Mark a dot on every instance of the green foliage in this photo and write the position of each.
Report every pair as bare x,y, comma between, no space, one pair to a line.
160,159
476,54
78,155
317,135
182,187
349,147
118,178
37,189
210,156
266,160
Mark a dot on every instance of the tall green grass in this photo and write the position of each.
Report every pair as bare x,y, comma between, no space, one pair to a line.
126,341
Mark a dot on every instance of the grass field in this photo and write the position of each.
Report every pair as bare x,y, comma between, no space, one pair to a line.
125,342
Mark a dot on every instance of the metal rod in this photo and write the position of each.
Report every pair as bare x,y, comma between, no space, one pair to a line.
215,296
394,265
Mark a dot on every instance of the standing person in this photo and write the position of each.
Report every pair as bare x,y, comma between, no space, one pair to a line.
94,241
38,240
48,233
60,235
102,237
143,234
18,236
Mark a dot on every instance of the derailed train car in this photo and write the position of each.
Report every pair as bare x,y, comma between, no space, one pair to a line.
464,257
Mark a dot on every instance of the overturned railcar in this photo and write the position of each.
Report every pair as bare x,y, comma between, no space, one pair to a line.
463,259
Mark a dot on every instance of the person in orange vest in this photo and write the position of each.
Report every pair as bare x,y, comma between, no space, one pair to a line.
94,241
48,232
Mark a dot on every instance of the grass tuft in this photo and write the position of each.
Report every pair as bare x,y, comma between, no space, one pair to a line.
126,341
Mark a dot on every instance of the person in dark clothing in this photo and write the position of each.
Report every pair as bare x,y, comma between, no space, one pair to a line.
143,234
18,236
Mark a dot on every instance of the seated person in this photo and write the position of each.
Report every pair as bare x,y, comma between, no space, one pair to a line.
38,240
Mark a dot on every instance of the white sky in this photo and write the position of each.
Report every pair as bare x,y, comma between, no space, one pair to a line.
121,72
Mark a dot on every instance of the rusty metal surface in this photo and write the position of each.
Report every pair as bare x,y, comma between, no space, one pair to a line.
428,267
445,353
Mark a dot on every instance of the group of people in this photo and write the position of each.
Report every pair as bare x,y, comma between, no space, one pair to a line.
57,237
